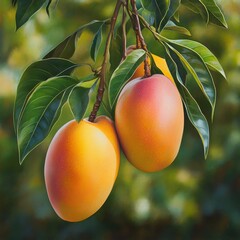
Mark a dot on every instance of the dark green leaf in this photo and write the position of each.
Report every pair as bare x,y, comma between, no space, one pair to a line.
36,73
197,7
149,5
208,9
207,56
41,112
147,15
161,7
194,112
198,70
67,47
118,26
123,73
96,43
173,6
25,9
79,100
116,52
157,8
215,13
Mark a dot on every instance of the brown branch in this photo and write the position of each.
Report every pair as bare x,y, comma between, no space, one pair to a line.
138,43
140,39
102,74
124,35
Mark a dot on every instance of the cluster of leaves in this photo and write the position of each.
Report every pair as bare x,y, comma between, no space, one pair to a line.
48,84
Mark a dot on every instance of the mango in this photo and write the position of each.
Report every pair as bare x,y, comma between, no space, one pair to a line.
149,119
81,167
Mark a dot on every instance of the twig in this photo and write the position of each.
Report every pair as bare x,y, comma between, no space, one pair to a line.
124,35
102,74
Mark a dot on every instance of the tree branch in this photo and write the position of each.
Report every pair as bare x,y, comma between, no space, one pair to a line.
102,74
124,35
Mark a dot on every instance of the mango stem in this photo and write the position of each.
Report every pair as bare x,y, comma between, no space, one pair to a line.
140,39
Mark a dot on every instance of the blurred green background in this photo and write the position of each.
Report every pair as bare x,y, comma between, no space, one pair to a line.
192,199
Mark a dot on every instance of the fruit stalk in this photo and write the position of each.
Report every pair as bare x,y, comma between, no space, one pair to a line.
140,38
102,74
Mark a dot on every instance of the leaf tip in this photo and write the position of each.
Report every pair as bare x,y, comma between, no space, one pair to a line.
21,157
78,119
224,74
206,150
17,27
20,161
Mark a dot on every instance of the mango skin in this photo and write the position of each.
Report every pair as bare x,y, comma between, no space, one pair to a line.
81,167
149,119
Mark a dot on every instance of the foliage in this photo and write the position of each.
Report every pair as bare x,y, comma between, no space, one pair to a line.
185,58
193,199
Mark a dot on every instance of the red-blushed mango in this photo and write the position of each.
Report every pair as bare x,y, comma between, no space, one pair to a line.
159,61
81,167
149,119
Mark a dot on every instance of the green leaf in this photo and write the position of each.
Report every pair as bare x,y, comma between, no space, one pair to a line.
148,5
172,8
147,15
173,27
207,56
208,9
36,73
197,7
67,47
193,110
41,112
79,100
215,13
161,8
97,40
200,73
157,8
123,73
25,9
118,25
116,52
50,3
